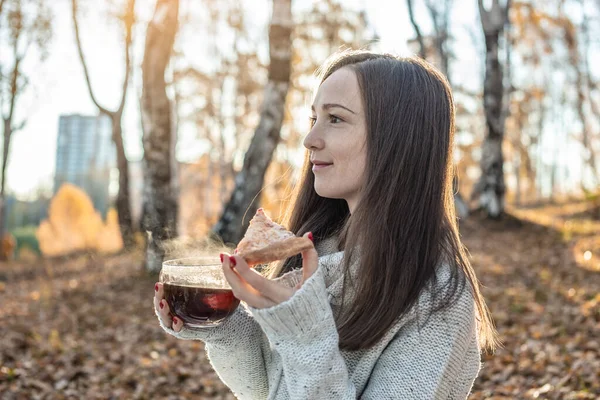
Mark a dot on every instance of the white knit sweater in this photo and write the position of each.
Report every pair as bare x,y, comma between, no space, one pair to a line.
290,351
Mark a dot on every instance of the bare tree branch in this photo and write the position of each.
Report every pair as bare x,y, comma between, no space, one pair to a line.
122,202
439,19
82,59
483,13
14,76
19,127
34,29
413,21
129,20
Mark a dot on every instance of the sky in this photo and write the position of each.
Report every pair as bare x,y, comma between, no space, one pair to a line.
58,87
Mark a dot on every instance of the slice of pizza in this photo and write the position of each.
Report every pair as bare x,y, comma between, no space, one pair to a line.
266,241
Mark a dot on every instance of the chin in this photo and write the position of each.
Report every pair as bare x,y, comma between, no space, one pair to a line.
328,194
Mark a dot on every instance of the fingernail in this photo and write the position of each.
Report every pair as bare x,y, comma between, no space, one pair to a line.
174,320
221,255
156,287
310,236
232,261
161,305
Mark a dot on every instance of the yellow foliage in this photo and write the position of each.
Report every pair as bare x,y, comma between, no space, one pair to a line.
74,225
109,237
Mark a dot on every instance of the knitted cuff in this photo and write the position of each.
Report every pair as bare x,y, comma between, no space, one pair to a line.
299,315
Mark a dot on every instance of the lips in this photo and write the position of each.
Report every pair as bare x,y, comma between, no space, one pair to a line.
318,166
319,162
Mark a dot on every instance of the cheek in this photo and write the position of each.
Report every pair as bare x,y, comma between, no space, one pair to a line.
345,177
353,156
355,169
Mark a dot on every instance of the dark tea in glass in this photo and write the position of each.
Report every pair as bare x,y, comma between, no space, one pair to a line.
197,291
197,306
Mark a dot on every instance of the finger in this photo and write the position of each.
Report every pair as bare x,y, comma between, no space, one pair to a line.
310,260
177,324
158,293
241,289
160,303
164,313
273,290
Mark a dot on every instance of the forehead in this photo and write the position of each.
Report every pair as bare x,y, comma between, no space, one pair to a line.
341,87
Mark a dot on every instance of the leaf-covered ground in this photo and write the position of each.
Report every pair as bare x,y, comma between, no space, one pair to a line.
84,328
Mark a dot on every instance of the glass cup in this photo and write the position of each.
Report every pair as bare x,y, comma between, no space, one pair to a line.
197,291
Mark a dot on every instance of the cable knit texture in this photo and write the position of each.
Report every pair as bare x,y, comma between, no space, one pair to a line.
291,351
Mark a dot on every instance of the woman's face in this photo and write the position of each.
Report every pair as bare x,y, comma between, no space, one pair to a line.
338,138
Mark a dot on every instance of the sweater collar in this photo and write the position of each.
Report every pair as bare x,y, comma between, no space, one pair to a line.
331,266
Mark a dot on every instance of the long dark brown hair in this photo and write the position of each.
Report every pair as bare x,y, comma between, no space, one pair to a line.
404,222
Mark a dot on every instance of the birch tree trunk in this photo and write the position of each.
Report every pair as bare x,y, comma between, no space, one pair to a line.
249,181
490,189
159,215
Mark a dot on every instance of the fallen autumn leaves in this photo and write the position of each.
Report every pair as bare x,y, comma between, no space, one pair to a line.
84,327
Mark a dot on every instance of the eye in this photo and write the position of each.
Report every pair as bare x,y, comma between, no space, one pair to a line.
334,119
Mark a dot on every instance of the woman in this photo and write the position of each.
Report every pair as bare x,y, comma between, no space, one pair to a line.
387,305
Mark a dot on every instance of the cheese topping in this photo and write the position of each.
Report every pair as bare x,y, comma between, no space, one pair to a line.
262,232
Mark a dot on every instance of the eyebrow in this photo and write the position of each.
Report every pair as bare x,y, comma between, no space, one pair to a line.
327,106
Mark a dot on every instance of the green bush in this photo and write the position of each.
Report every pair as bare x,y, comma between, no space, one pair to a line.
25,237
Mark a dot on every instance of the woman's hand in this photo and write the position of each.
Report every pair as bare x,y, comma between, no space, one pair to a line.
247,285
162,309
258,291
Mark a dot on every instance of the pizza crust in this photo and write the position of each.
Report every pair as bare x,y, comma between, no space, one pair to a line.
262,232
266,241
277,251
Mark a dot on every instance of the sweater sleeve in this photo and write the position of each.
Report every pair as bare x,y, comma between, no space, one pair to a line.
435,358
302,330
423,361
236,352
237,349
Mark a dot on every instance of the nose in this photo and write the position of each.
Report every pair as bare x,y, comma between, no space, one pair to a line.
313,140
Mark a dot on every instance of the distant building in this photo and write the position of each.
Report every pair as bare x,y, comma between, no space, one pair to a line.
85,155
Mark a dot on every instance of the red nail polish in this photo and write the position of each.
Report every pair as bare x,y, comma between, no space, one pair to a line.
161,305
232,261
175,320
221,255
156,287
310,236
